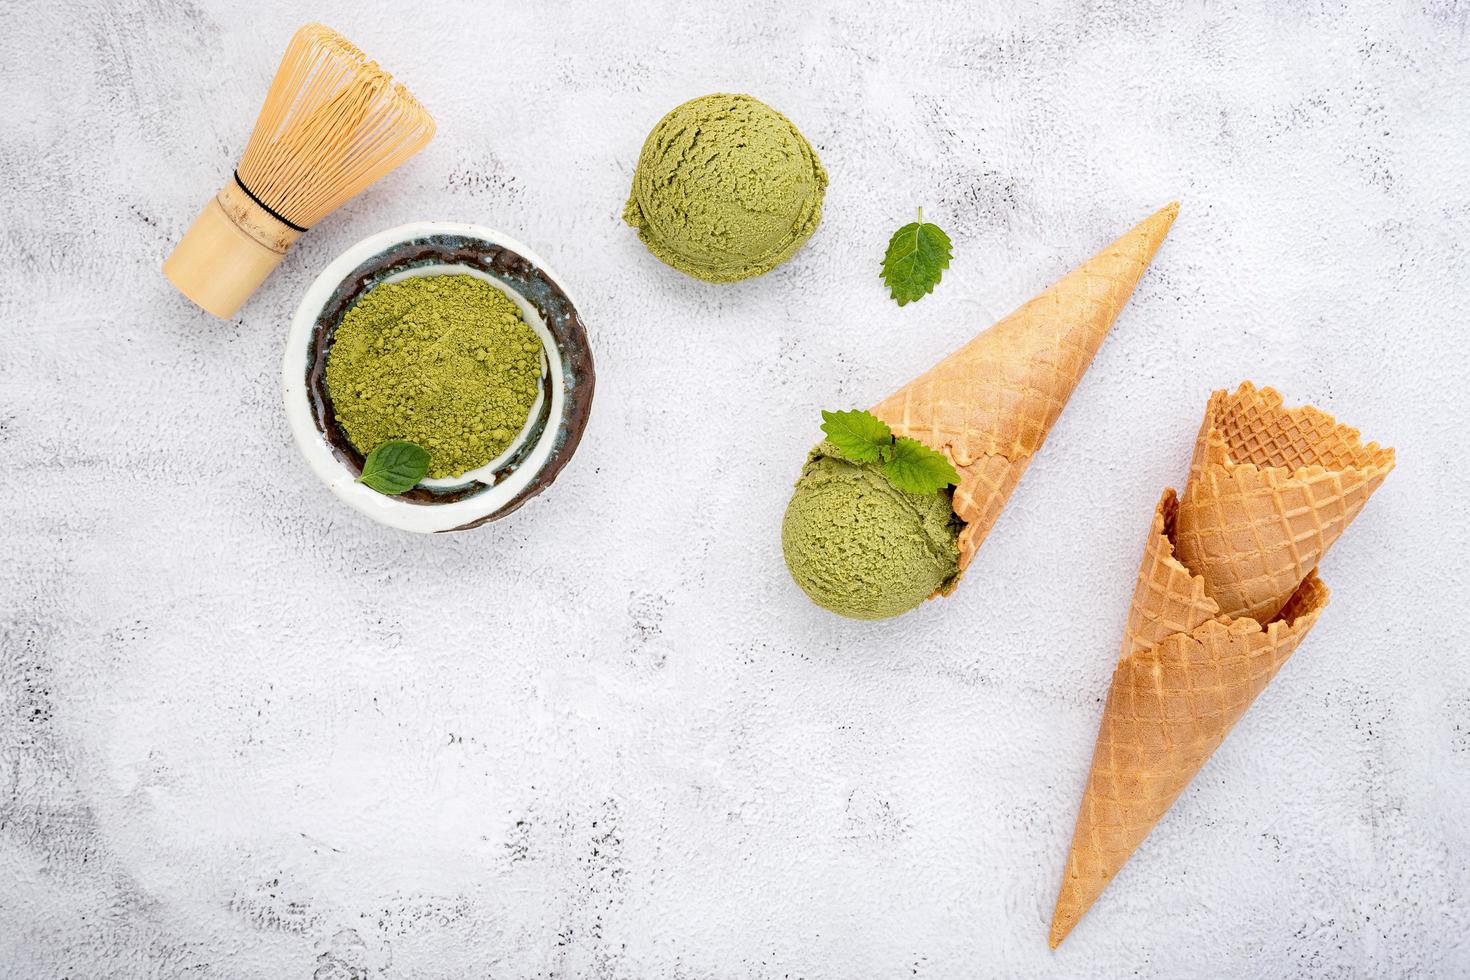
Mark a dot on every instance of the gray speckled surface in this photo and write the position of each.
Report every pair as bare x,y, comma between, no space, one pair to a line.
244,733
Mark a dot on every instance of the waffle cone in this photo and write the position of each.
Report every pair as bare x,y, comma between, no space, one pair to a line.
1270,490
1190,664
990,404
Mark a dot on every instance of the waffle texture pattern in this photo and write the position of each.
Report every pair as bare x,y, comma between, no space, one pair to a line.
1270,489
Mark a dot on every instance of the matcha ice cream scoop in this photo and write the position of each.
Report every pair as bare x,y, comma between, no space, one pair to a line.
726,188
862,548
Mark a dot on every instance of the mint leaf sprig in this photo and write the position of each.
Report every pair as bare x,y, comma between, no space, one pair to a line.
395,467
908,464
918,253
859,436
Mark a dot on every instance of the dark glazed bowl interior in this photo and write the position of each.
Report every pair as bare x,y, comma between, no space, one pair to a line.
512,271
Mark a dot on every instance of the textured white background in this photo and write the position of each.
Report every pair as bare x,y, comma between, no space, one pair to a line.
245,733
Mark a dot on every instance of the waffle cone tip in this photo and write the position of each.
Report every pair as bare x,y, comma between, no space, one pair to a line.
1059,929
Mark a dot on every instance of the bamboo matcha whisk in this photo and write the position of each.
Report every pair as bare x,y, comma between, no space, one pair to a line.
332,123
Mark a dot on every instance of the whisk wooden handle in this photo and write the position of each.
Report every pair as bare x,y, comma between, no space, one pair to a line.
228,251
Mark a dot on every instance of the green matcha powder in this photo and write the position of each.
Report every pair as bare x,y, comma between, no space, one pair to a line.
447,362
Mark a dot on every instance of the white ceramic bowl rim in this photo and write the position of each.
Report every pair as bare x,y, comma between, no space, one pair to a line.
430,248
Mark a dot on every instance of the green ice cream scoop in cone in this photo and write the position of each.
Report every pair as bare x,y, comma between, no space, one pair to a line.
862,548
726,188
866,550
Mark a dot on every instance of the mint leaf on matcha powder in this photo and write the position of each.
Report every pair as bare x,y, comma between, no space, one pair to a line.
395,466
858,436
915,468
918,253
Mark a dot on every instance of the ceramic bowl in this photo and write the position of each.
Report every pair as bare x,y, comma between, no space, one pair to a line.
543,446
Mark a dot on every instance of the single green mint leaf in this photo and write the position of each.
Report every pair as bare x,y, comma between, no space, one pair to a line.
858,436
917,256
395,466
915,468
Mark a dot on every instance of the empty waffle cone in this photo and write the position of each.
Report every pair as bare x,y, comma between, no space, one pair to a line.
1270,490
990,404
1191,667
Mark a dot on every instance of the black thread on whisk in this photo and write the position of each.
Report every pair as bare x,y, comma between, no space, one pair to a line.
268,209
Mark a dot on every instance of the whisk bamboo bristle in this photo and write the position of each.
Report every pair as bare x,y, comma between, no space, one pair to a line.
332,123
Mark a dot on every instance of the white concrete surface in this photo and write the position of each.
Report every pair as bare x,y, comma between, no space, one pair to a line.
245,733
